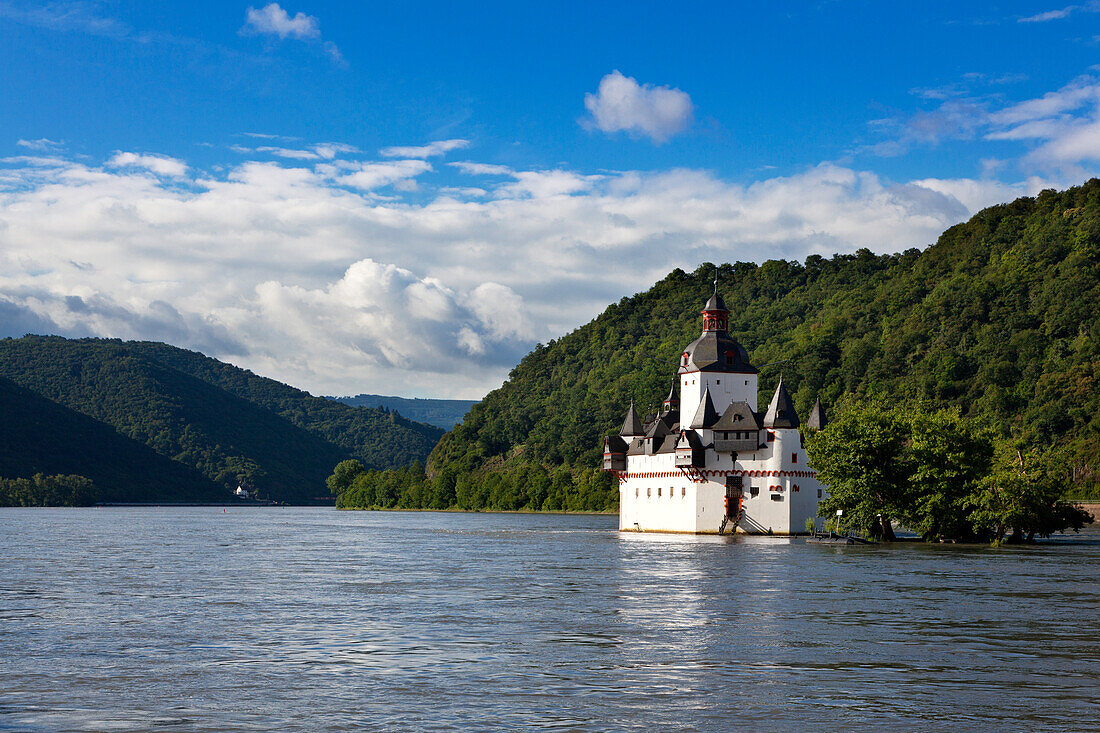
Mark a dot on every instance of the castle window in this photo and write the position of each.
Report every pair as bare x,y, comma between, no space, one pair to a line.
635,493
777,497
794,487
683,491
718,381
794,458
819,493
754,491
648,492
658,492
771,436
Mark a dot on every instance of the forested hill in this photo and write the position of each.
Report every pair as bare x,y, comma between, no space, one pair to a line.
225,423
1000,317
441,413
40,436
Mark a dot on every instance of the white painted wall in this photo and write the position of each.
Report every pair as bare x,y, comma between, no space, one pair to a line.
675,501
725,387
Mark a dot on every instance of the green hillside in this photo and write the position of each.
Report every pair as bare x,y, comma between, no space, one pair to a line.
378,438
441,413
226,423
999,317
40,436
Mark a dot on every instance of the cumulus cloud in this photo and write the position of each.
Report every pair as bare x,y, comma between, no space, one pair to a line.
272,20
301,271
621,104
162,165
431,150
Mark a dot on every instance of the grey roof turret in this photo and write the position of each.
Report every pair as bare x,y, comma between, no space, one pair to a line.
632,426
781,412
706,416
818,419
673,400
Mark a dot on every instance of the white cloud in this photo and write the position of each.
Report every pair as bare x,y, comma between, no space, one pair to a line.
482,169
41,144
162,165
1062,128
622,104
302,272
440,147
369,176
272,19
1060,13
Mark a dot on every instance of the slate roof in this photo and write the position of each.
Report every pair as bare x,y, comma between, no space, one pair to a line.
738,416
706,415
817,419
708,353
631,425
781,413
715,303
614,444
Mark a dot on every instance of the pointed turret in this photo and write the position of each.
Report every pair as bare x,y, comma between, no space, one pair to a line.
706,415
781,412
818,419
672,402
632,426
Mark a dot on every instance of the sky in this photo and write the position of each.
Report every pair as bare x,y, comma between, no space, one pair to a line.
405,197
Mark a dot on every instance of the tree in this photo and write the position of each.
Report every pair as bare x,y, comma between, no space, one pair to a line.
343,476
1022,496
949,456
862,458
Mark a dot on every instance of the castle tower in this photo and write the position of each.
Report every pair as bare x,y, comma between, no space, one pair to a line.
715,363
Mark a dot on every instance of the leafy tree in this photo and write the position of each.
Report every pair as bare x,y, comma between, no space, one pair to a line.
1021,497
948,456
863,458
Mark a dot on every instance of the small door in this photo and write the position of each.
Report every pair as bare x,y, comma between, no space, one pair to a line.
733,496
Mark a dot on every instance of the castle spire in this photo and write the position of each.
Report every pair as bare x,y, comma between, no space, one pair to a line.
706,415
632,426
781,413
818,419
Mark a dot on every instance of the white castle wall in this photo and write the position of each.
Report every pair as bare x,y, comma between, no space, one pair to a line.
658,497
725,387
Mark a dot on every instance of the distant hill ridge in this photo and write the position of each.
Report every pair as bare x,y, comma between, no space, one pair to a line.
441,413
224,423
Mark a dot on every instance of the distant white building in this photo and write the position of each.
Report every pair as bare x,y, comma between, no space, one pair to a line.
710,462
241,492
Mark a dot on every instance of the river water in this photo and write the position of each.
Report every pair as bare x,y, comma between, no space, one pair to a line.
309,619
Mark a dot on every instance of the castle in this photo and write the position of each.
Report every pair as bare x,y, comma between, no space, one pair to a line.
709,462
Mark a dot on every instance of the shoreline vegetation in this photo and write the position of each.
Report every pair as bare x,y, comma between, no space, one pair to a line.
946,477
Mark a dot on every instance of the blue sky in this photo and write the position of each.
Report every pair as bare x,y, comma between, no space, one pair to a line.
404,197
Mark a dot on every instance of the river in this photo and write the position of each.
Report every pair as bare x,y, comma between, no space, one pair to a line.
310,619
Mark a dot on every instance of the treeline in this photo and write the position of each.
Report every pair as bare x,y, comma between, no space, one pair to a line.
525,487
39,490
937,473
